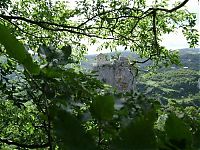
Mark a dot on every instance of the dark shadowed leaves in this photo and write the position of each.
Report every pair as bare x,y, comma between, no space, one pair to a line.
67,50
178,133
69,130
102,107
138,135
16,50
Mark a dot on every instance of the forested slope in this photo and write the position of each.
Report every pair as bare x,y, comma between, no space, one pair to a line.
176,82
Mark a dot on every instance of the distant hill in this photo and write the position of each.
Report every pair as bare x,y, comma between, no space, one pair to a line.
190,58
178,83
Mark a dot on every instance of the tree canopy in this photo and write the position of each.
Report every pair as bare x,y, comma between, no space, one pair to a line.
47,102
136,25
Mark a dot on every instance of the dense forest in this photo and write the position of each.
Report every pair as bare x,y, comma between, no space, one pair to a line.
49,101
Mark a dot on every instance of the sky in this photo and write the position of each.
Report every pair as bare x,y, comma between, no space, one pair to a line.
176,40
172,41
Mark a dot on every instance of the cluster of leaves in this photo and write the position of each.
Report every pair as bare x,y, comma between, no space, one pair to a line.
135,25
69,110
46,90
46,104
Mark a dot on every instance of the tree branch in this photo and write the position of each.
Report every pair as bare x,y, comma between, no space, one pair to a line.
39,23
155,41
60,27
106,12
173,9
141,62
40,37
51,26
34,146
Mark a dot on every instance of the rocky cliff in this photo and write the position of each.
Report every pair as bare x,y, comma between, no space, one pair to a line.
118,74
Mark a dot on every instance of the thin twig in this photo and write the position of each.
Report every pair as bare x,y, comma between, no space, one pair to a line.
140,62
175,8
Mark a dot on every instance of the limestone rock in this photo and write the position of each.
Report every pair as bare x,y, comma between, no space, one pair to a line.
118,74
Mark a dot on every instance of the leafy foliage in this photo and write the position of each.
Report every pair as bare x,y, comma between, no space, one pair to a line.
18,52
102,107
48,103
139,134
178,133
69,129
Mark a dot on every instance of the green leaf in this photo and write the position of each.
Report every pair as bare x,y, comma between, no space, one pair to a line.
16,50
70,131
178,133
52,72
102,107
138,135
32,67
67,50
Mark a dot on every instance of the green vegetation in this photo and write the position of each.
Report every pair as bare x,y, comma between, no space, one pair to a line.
47,102
171,83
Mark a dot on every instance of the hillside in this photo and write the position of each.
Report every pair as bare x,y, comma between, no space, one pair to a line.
179,83
190,58
175,82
